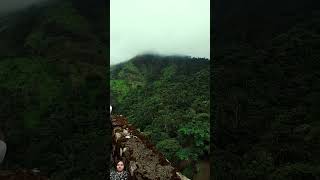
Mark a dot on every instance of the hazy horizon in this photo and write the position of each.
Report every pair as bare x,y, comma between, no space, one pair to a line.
180,27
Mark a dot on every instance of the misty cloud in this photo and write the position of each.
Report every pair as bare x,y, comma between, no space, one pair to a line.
180,27
14,5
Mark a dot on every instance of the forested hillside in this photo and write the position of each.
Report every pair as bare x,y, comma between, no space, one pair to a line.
167,98
266,94
53,73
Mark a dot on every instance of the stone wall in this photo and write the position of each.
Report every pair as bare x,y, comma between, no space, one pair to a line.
142,160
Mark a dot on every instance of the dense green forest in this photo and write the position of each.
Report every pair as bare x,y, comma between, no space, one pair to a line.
265,102
53,89
167,98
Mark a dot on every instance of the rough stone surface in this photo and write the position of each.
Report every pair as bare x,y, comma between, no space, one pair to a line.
141,158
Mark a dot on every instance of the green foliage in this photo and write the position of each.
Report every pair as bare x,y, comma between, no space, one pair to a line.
188,171
32,76
53,93
64,15
186,154
53,126
167,97
169,147
266,107
256,164
119,89
199,131
36,41
297,171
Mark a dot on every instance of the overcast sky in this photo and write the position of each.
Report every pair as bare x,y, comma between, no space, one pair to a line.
162,26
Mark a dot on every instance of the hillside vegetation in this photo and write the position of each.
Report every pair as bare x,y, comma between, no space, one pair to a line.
53,91
167,98
266,106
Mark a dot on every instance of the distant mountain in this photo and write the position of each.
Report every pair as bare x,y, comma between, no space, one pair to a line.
146,68
167,98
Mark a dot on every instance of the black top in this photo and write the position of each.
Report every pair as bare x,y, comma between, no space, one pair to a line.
119,176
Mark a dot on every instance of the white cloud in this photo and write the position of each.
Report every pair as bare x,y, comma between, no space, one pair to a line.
162,26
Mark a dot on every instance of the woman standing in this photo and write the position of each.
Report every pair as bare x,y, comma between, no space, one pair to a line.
120,173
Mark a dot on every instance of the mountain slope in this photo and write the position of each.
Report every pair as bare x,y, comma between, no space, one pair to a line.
53,89
167,97
266,106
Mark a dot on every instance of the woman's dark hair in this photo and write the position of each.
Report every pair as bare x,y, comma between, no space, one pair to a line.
119,160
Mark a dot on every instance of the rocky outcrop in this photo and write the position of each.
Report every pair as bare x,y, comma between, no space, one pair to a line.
142,160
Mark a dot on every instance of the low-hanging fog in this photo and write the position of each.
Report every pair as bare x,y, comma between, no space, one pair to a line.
170,27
